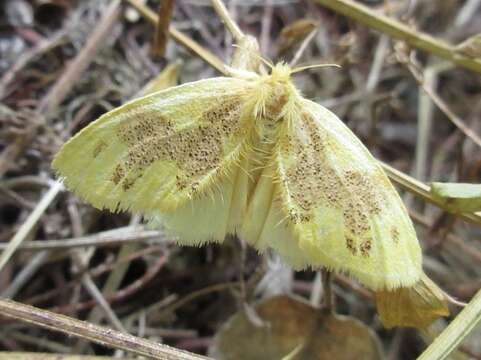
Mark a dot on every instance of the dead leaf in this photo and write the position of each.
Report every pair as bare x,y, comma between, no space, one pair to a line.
295,33
471,47
417,306
458,197
293,329
168,77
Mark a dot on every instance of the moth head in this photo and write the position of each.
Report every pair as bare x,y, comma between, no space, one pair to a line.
281,73
279,95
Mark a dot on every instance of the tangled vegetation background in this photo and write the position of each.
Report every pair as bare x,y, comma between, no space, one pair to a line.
64,63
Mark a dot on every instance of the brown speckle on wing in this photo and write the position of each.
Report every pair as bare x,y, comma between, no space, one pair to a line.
195,150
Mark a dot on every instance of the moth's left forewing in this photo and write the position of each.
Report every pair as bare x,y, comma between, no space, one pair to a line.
344,212
158,151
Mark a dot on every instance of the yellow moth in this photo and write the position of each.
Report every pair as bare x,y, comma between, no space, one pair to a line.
248,155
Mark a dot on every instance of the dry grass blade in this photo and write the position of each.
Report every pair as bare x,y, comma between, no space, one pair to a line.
95,333
205,54
398,30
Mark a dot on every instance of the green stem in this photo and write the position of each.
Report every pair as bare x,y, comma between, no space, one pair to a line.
456,331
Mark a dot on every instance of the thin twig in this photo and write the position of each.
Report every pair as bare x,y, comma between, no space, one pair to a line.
96,294
163,22
193,295
467,12
92,332
458,243
425,121
115,295
266,25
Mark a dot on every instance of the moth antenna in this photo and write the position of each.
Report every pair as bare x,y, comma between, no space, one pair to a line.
302,48
269,63
315,66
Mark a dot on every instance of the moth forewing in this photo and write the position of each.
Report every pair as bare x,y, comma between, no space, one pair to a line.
344,212
159,151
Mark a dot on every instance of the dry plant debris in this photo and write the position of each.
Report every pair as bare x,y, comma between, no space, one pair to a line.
64,63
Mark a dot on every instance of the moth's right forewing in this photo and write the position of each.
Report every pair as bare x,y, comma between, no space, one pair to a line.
159,151
342,209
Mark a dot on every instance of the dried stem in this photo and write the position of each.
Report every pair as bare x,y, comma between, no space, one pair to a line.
228,21
328,295
25,274
423,191
123,235
398,30
29,224
456,120
163,22
181,38
92,332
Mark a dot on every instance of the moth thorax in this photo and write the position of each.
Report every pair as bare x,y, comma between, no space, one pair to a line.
275,103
